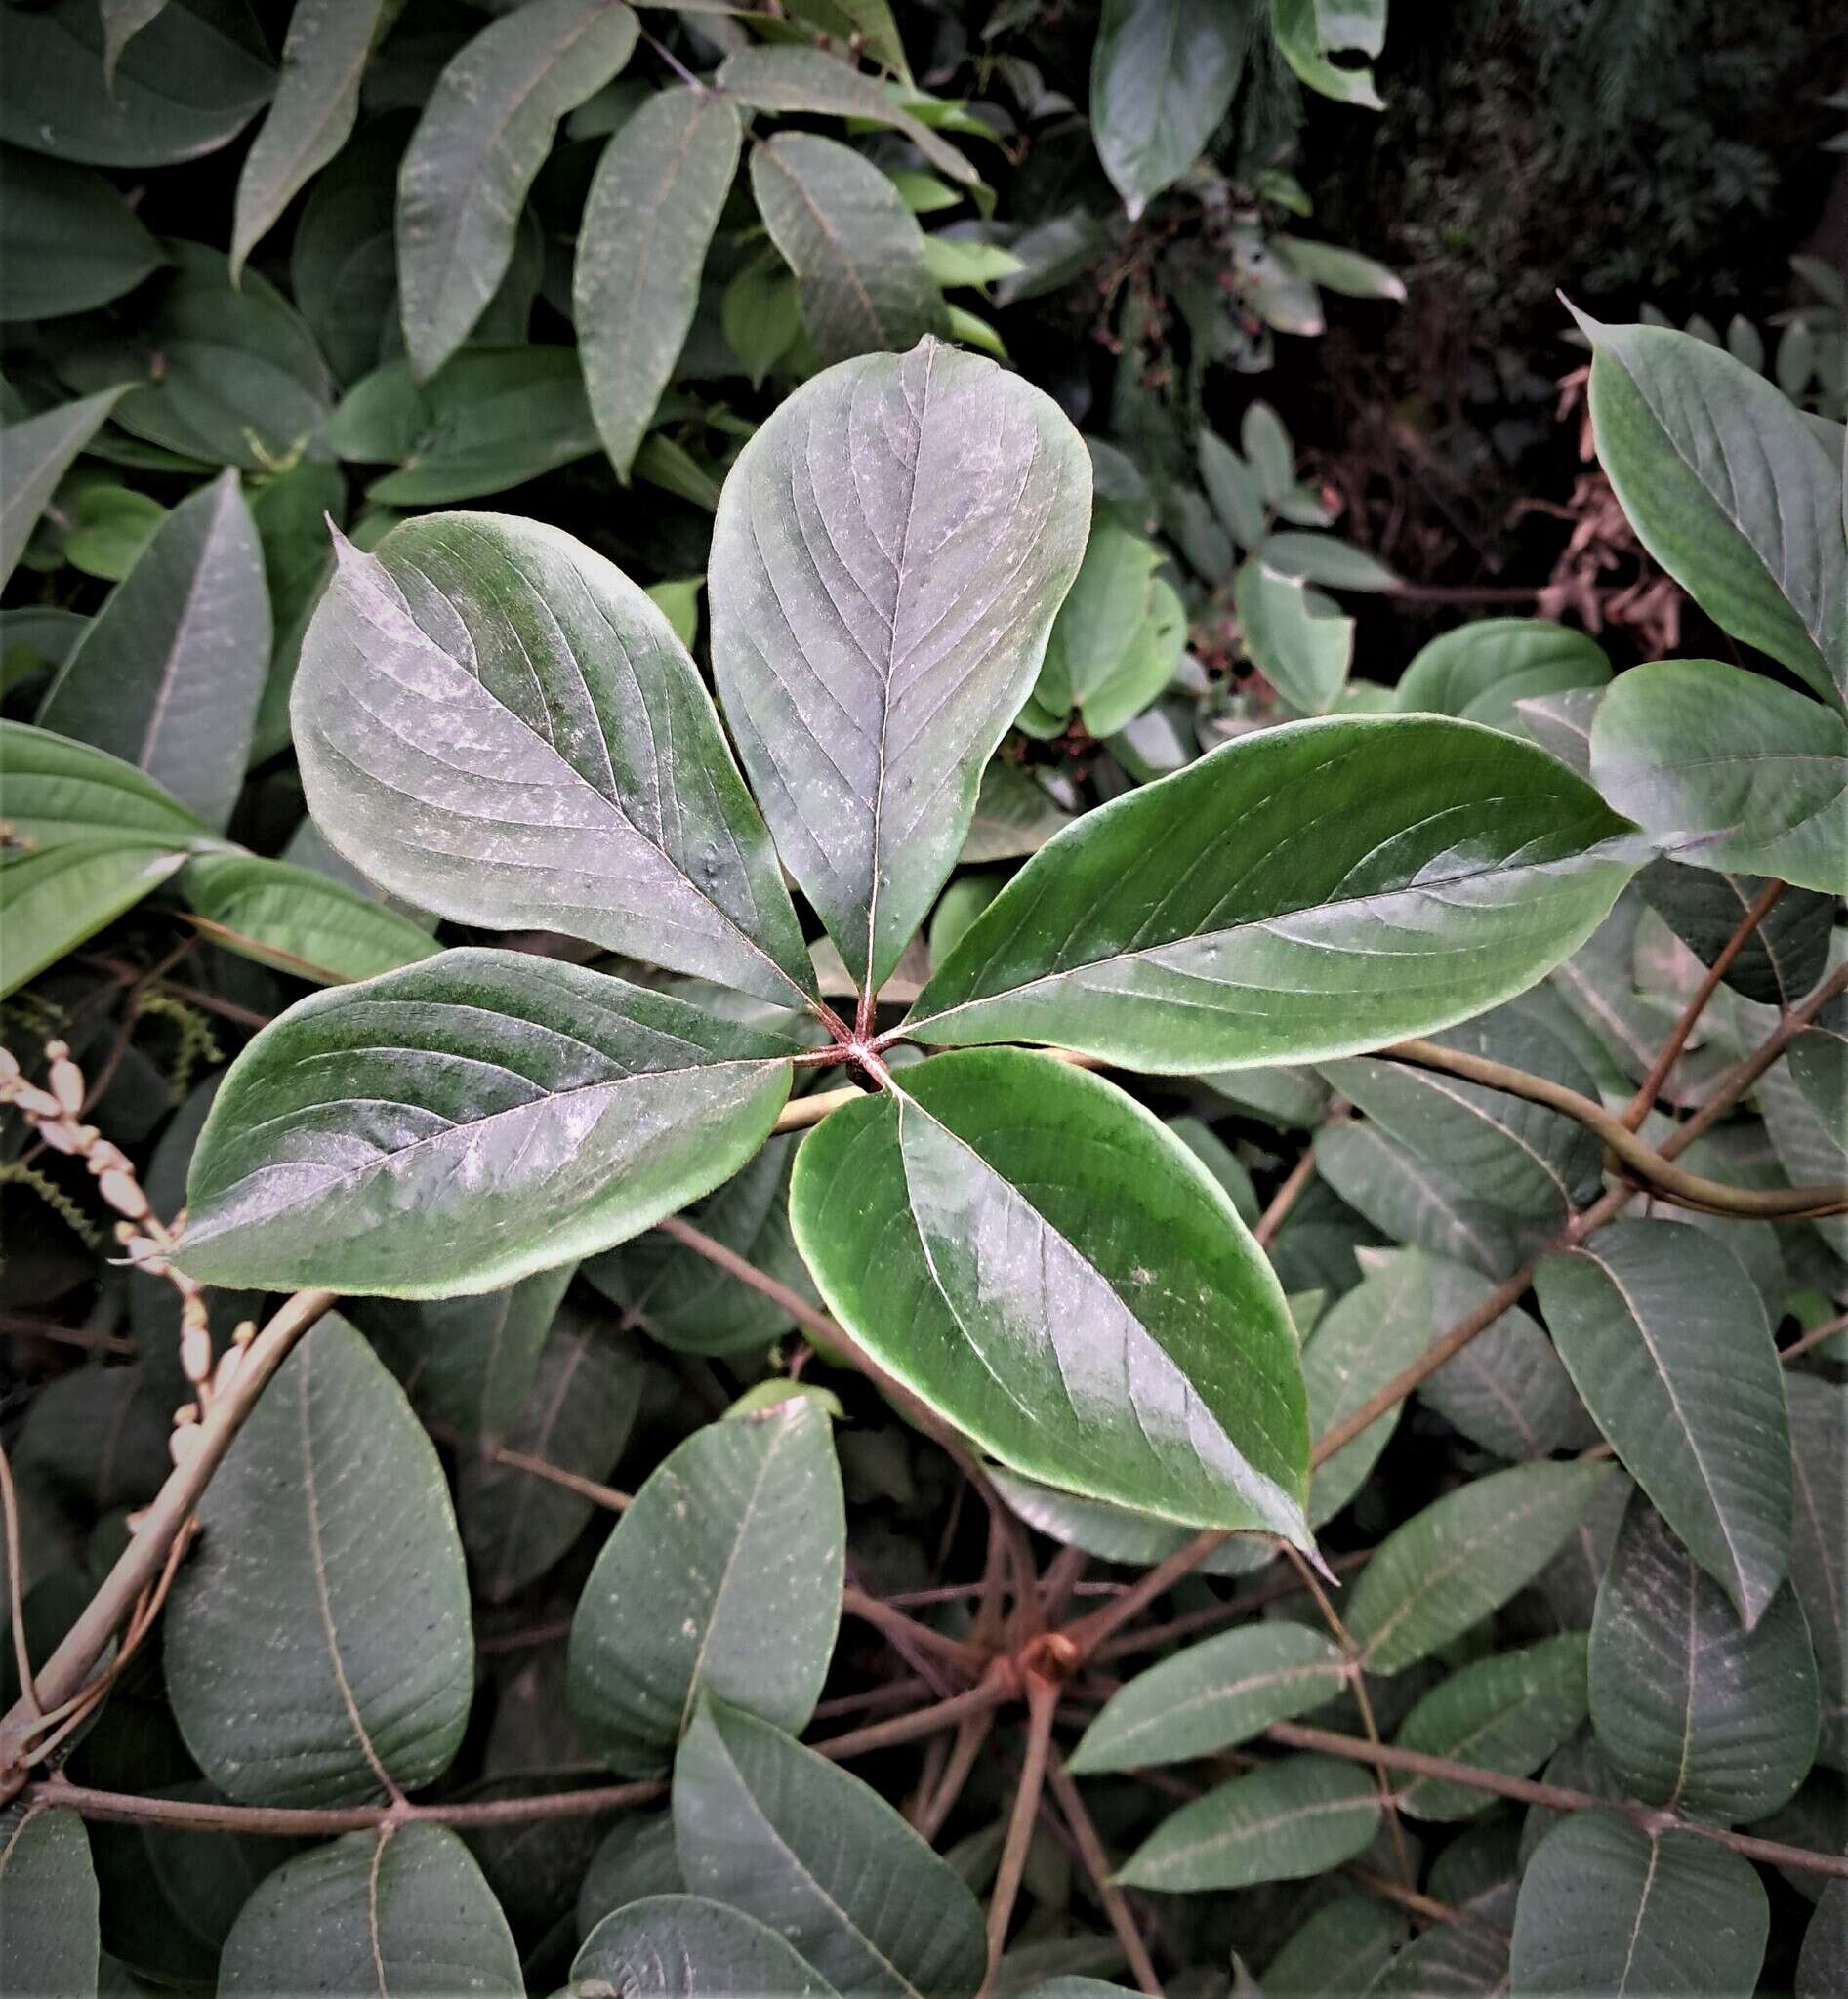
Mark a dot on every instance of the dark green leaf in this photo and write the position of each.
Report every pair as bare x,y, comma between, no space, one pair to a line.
867,686
317,1641
1304,892
1822,1967
49,1940
1033,1253
1483,668
1508,1714
1411,1201
53,899
1507,1390
1783,959
497,724
682,1946
785,1836
1162,76
1294,1818
67,240
458,1125
169,675
1320,558
485,134
723,1575
647,223
1338,1952
35,453
636,1858
808,80
1819,1560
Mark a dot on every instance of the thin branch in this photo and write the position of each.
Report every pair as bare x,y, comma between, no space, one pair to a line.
1090,1850
970,1735
1816,1336
15,1597
896,1626
960,1709
1042,1702
1285,1199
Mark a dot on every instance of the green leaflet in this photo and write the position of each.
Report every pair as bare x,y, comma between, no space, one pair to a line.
1039,1258
1507,1713
1294,1818
723,1575
1308,892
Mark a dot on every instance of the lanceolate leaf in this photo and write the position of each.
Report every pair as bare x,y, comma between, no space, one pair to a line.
1162,77
35,453
1508,1714
1728,769
1464,1556
497,724
1819,1558
890,553
299,921
169,675
317,1641
723,1575
49,1940
389,1912
482,138
312,117
51,900
1213,1697
1664,1336
684,1946
787,1837
454,1125
648,222
856,248
1048,1267
1729,490
1294,1818
1692,1710
1308,892
1605,1908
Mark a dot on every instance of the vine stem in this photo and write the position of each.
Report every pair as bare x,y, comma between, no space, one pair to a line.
1043,1701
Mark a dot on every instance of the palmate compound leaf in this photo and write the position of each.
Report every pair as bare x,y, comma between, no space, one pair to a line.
1040,1260
890,548
463,1122
1309,891
318,1642
495,723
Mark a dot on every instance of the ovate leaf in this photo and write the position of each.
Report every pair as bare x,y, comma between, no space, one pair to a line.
49,1939
1297,1817
317,1641
35,453
889,551
1692,1710
169,675
684,1946
1665,1337
856,248
1308,891
454,1125
1729,489
648,222
1507,1713
1162,76
1728,769
388,1912
494,722
1483,668
1463,1557
1295,637
1213,1697
484,136
787,1837
1050,1268
67,240
723,1575
1605,1908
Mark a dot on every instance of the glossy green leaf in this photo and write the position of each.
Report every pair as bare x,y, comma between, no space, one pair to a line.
1294,1818
169,675
299,921
1102,617
1692,1710
190,80
1819,1558
49,1940
1213,1697
1729,490
1308,891
684,1946
809,80
575,1416
35,453
1463,1557
1122,1533
484,136
723,1575
1483,668
1368,1337
784,1835
67,240
856,248
497,724
1162,76
1293,634
343,260
404,1911
1605,1908
51,900
647,222
868,686
1808,1146
454,1125
1507,1713
1299,27
318,1642
311,117
1728,769
1035,1255
1664,1336
1233,486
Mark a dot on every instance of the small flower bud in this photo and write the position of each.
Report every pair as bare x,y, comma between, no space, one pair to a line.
192,1314
37,1102
245,1334
106,1158
60,1138
66,1081
9,1066
124,1194
195,1355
